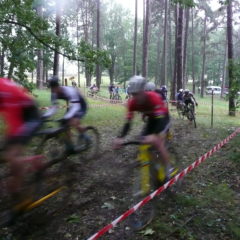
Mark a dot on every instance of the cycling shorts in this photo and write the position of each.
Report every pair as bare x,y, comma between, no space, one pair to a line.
157,125
31,123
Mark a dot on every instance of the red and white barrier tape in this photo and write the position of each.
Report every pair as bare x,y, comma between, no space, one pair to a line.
164,187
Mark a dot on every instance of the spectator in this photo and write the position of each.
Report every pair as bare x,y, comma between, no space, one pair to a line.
111,90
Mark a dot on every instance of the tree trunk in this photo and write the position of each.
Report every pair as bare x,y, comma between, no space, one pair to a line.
157,76
111,70
174,81
40,69
165,45
11,68
193,66
232,109
2,62
146,40
40,56
185,46
98,70
78,65
63,68
204,56
58,30
170,44
179,48
224,69
135,38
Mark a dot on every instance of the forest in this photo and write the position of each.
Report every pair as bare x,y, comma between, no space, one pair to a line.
180,44
174,43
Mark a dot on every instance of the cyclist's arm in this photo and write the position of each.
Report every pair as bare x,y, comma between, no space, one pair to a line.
125,129
129,117
194,99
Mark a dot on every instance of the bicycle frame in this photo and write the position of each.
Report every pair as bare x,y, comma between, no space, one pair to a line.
144,157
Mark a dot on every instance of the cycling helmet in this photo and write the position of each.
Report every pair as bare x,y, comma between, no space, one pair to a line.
136,84
180,90
164,87
150,86
53,81
186,91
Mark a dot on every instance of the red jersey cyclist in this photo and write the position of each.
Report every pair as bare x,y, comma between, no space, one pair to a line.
158,121
22,119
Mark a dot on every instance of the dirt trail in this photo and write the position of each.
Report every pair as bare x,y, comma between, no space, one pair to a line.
102,193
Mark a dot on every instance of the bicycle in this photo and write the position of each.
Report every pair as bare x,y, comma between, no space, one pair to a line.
180,110
53,174
149,174
189,112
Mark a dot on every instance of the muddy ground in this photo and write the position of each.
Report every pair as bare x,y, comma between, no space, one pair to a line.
206,206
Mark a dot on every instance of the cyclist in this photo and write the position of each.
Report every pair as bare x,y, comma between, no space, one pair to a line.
179,98
77,105
20,113
158,122
116,94
162,91
189,98
150,86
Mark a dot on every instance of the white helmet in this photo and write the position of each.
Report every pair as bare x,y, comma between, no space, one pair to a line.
180,90
150,86
136,84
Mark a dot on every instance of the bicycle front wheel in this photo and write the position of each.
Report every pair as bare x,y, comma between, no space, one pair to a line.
191,115
141,187
86,143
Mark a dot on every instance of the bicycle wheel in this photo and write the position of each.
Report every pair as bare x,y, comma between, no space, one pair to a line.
191,115
144,215
86,143
180,112
52,177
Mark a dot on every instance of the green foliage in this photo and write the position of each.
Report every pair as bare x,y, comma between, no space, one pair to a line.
235,85
185,3
223,2
92,56
22,32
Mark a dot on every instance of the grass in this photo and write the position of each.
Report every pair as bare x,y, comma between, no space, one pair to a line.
104,115
100,116
220,113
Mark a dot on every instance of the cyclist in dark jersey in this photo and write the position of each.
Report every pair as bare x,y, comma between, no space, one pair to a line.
162,91
22,119
158,122
189,98
179,96
77,106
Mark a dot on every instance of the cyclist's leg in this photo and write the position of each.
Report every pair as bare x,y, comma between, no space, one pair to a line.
15,146
155,134
14,158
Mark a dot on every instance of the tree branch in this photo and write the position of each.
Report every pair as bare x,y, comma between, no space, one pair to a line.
41,41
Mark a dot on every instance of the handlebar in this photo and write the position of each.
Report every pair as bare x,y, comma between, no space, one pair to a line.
132,142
